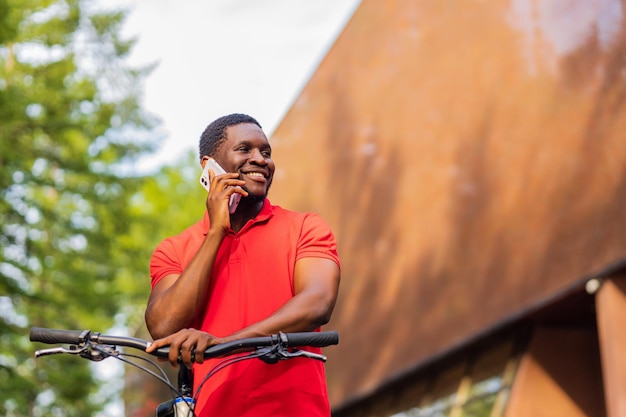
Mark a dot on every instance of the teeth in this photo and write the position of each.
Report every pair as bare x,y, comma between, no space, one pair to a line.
254,174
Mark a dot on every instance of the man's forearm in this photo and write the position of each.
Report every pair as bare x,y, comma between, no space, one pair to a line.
176,302
304,312
175,308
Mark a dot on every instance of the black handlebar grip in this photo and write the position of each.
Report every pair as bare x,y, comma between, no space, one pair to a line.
52,336
315,339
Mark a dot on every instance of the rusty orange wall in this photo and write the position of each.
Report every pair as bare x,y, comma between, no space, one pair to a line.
471,157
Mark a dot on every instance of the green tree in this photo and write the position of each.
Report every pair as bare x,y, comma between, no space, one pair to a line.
70,129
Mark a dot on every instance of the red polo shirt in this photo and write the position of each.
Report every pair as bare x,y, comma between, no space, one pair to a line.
252,277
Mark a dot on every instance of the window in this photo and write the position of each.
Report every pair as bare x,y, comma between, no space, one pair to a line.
471,383
476,386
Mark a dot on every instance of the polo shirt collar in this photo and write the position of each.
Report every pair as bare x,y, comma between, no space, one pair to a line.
267,211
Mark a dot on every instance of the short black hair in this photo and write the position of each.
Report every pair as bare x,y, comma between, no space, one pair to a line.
215,132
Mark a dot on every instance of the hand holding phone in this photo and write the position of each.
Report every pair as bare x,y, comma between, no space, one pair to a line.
211,163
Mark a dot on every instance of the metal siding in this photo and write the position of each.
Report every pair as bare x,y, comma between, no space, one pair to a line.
471,158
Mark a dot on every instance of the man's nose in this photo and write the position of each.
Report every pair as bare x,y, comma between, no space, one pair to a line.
257,157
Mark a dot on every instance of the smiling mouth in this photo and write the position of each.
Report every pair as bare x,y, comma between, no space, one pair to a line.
255,175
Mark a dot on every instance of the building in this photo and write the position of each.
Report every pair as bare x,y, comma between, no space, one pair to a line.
471,157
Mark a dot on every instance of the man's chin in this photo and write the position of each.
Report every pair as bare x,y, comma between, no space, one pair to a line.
255,198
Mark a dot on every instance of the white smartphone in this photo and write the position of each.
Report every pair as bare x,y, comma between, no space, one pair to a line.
218,170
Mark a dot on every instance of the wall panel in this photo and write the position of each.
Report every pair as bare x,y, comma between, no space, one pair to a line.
471,157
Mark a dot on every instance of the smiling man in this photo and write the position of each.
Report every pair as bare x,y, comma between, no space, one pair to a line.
258,271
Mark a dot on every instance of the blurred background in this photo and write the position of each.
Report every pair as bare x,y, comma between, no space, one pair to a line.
469,155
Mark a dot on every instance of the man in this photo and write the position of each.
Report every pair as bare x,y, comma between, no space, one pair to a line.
255,272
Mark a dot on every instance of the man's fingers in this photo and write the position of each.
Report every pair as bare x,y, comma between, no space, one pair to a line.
238,190
200,348
186,346
157,344
174,353
186,350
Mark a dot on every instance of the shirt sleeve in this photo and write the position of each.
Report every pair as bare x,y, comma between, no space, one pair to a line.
317,240
164,262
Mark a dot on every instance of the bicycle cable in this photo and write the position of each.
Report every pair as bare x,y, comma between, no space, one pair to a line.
122,357
221,365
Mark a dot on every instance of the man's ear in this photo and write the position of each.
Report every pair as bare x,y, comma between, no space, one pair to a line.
203,160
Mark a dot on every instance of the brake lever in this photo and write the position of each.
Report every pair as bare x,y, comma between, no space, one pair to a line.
277,353
57,350
95,354
304,353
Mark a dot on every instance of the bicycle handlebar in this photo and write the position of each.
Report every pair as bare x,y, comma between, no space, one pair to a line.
54,336
75,337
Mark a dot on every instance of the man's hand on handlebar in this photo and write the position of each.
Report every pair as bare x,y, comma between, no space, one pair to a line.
184,342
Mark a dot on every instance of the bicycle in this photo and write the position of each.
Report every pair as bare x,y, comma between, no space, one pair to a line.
96,347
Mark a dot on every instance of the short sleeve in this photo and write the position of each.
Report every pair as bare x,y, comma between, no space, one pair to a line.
317,239
164,262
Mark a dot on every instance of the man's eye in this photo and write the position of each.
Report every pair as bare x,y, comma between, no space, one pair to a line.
267,154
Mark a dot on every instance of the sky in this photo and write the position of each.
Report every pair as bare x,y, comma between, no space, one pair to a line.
216,57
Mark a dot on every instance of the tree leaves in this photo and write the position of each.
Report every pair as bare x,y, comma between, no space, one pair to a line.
71,128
